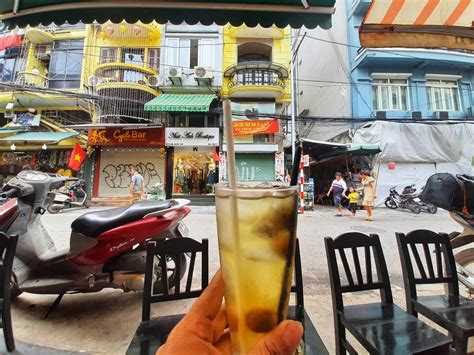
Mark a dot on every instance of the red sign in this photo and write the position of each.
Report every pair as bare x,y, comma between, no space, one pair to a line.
10,41
247,127
117,137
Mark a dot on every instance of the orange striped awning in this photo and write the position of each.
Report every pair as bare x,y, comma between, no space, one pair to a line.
419,23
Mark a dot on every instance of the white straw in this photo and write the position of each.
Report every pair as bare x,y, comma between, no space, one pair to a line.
230,143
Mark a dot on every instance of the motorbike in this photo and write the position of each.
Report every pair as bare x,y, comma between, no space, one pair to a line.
405,200
107,248
72,196
425,206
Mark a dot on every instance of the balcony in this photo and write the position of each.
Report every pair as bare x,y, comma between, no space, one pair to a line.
256,79
27,78
117,75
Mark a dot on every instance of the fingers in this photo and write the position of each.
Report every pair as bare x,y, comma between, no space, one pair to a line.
209,303
219,324
224,345
283,340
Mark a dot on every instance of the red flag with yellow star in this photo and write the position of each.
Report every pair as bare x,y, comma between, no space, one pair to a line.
77,157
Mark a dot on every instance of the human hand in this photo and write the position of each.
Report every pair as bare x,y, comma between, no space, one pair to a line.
328,194
204,329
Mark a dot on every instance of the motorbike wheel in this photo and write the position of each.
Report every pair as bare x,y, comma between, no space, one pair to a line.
389,203
171,266
53,210
415,208
432,209
86,204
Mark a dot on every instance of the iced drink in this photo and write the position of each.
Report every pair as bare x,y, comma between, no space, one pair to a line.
257,233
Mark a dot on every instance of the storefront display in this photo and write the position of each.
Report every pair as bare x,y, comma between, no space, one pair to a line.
195,172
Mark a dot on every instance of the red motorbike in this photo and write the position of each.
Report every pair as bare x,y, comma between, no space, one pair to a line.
107,248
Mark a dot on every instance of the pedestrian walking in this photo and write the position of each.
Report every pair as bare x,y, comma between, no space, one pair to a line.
137,185
369,193
338,189
353,198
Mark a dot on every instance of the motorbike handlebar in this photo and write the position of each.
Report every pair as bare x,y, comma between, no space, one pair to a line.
9,193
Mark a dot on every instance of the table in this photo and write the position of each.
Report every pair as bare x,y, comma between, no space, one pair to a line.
152,334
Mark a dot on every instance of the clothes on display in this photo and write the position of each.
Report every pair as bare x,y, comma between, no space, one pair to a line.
195,173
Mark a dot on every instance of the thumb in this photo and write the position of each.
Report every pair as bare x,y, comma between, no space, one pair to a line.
282,340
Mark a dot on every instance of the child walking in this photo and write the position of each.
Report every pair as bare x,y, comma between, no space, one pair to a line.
353,198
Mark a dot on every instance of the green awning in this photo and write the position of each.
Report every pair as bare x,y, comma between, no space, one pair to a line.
295,13
39,137
180,103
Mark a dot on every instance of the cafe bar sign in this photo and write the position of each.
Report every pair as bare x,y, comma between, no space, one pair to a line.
248,127
119,137
178,137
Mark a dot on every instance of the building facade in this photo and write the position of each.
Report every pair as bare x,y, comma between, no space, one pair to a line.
257,81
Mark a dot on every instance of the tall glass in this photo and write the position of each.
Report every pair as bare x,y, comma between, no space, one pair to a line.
257,232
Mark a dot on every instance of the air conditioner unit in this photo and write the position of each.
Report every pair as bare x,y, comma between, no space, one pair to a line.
174,72
9,114
93,80
441,115
416,115
203,72
154,81
381,115
470,113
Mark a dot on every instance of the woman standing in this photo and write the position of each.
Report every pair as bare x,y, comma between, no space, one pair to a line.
369,193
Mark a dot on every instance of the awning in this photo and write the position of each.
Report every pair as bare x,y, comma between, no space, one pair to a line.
422,23
296,13
10,41
180,103
319,150
39,137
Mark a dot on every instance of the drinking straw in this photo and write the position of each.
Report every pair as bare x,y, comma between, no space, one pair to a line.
291,246
230,143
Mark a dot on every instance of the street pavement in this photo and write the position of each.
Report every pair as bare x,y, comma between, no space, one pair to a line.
105,322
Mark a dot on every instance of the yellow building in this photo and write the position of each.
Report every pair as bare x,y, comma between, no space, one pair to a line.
256,74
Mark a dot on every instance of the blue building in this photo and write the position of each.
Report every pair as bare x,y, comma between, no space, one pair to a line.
404,82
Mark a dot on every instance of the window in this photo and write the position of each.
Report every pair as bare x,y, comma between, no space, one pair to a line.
133,56
443,95
66,64
8,69
189,53
108,55
390,94
154,58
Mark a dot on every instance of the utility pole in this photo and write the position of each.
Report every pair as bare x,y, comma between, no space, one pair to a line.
294,90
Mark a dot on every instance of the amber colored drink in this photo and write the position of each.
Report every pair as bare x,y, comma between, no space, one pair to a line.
257,233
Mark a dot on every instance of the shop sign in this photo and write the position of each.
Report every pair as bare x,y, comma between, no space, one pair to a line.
192,136
127,137
306,160
279,166
222,166
248,127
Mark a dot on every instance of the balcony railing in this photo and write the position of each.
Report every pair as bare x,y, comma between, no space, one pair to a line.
122,73
263,74
31,79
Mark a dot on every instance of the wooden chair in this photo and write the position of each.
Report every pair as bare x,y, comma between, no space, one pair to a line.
382,327
7,254
151,334
452,312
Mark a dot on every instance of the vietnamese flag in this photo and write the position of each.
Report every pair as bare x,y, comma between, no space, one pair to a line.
78,156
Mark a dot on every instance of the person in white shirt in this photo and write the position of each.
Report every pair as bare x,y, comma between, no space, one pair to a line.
338,189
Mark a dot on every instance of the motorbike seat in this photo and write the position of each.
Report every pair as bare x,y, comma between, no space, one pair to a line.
93,224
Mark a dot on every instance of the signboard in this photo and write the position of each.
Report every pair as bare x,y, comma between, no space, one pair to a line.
222,167
179,136
306,160
280,166
248,127
118,137
26,120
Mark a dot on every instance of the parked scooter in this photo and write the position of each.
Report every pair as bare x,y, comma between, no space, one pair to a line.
405,200
425,206
72,196
107,248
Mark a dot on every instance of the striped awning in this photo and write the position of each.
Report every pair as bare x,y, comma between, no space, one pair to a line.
419,23
180,103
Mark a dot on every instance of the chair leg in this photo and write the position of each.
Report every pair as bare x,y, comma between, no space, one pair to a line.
340,338
460,344
7,328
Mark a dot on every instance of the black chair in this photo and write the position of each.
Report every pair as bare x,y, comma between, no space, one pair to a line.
7,254
452,312
382,327
151,334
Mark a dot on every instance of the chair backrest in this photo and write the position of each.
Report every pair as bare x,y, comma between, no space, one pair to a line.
297,287
357,282
435,247
158,255
7,254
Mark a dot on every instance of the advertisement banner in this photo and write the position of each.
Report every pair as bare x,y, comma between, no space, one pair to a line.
222,167
179,136
247,127
26,120
280,166
119,137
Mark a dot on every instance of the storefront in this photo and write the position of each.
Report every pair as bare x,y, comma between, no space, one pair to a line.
117,150
195,170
